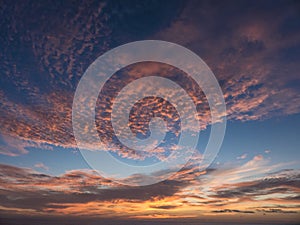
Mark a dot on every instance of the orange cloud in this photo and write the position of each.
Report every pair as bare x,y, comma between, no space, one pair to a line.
250,187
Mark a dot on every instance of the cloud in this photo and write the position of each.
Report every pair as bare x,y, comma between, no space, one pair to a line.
41,166
58,59
231,211
14,146
189,193
25,188
276,211
244,156
244,54
248,60
164,207
252,53
244,181
267,151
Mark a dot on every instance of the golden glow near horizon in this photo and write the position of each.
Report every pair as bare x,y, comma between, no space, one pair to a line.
219,193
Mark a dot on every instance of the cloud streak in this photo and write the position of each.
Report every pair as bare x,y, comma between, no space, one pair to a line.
190,193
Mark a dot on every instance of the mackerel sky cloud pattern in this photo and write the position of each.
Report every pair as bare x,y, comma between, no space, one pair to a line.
252,47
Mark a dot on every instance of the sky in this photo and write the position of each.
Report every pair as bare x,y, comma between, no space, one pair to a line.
253,50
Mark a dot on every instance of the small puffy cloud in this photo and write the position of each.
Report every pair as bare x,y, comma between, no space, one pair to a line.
41,166
243,156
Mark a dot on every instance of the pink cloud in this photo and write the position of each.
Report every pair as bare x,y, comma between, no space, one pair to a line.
41,166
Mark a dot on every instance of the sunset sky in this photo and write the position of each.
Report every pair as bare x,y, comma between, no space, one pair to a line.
253,49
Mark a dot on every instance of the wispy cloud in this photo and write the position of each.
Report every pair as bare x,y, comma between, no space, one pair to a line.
251,188
41,166
243,156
